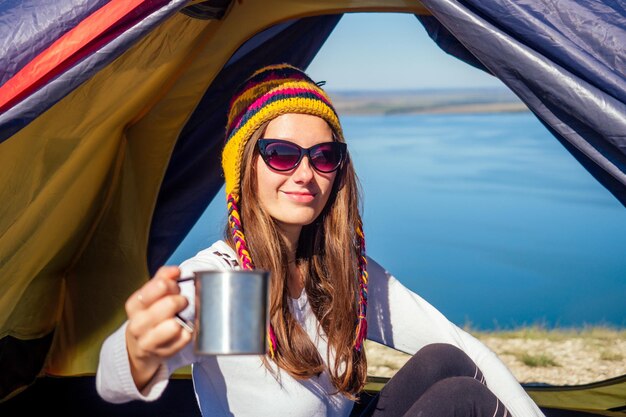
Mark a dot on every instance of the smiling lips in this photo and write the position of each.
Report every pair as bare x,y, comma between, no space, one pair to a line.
300,196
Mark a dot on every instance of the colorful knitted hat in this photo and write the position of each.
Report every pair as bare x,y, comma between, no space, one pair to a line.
268,93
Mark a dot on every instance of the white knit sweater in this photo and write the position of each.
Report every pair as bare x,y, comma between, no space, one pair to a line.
242,386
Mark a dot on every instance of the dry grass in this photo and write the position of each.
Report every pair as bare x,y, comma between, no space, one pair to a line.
608,355
541,359
596,334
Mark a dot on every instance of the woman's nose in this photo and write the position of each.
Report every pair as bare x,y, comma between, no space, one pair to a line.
304,171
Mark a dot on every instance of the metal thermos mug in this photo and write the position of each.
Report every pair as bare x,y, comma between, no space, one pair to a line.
232,312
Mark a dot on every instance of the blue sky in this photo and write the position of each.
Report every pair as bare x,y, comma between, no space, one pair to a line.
389,51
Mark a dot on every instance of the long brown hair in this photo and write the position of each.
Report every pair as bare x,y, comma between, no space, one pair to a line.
330,273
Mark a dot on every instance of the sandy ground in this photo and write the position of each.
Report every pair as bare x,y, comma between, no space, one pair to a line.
559,361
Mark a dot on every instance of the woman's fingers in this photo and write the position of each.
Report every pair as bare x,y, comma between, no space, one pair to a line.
163,341
162,284
155,332
161,310
168,338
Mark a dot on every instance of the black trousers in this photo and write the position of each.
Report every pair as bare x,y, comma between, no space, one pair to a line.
438,381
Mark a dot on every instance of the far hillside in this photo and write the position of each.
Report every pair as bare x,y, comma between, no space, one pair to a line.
490,100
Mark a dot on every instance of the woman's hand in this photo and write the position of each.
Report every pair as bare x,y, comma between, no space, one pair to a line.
153,334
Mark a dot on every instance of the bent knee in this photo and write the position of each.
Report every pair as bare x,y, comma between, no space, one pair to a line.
441,360
442,352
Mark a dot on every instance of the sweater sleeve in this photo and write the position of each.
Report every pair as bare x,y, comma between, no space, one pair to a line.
114,381
401,319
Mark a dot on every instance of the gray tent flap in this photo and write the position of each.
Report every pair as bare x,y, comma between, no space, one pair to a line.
448,42
565,60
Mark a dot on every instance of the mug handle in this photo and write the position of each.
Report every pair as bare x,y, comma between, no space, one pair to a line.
185,324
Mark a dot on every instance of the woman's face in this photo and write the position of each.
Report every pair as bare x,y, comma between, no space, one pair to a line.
295,198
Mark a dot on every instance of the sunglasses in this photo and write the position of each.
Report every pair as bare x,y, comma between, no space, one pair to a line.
282,155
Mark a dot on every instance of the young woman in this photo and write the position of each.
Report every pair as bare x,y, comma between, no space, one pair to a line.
293,205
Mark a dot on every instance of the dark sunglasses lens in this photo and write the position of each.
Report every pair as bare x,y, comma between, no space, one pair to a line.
326,157
282,156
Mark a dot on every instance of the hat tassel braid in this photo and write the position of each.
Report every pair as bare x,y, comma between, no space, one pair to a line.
361,327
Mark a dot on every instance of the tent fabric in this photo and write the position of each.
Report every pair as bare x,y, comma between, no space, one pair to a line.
565,60
74,57
62,173
29,354
110,155
76,42
25,35
604,397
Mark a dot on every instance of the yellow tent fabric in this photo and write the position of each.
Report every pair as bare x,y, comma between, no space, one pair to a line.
595,397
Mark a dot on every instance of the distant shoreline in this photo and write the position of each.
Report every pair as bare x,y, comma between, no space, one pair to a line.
427,102
449,109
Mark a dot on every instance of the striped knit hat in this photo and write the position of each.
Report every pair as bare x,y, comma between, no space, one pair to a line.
268,93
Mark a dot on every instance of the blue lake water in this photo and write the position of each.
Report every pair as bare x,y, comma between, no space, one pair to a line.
486,216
